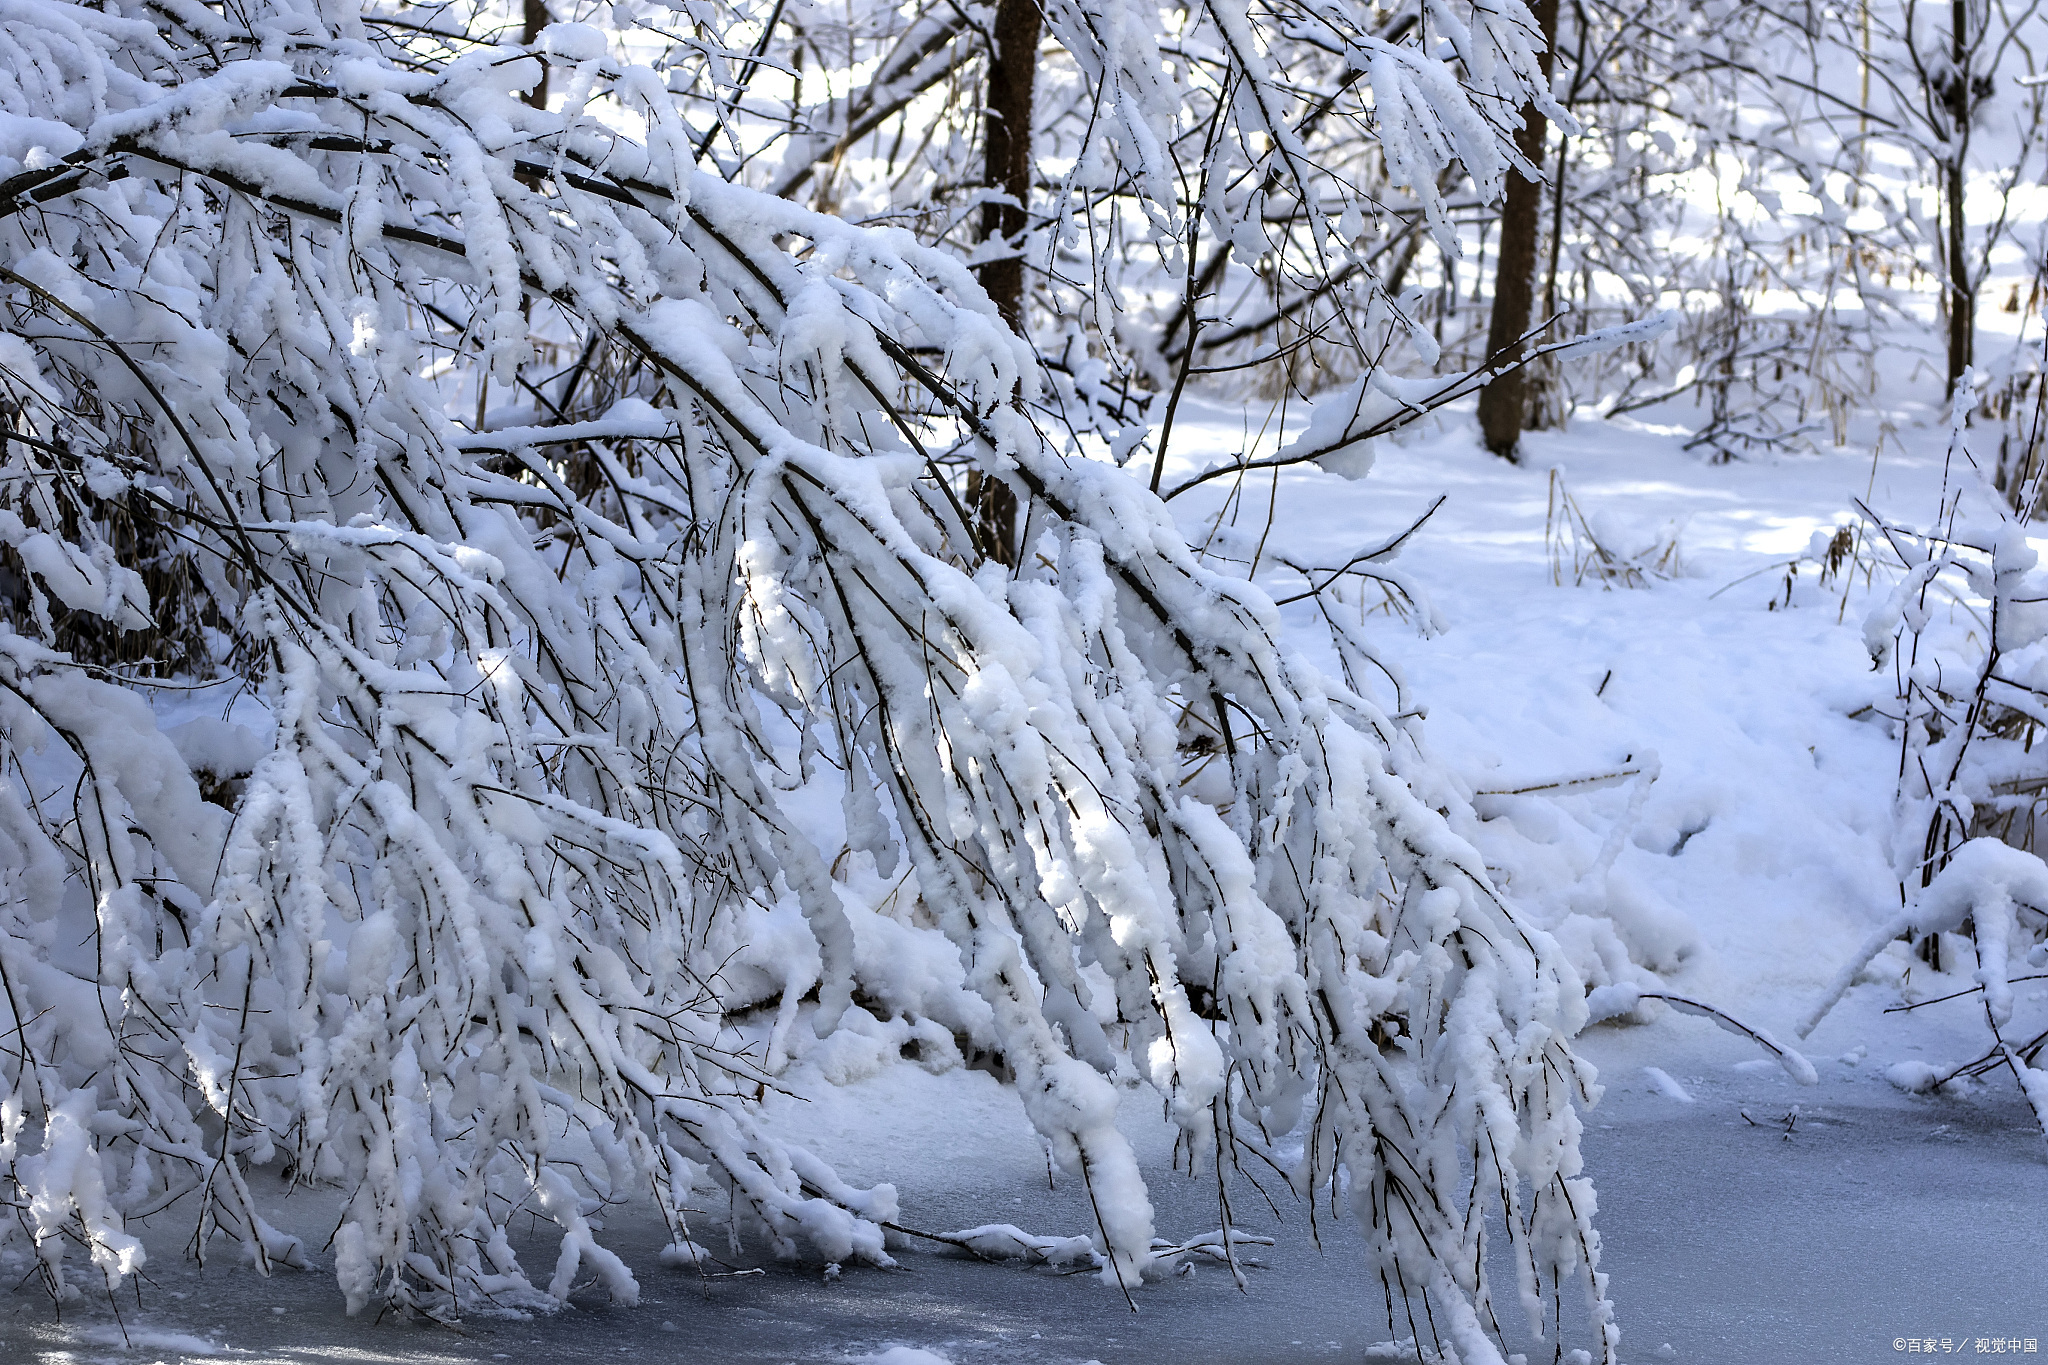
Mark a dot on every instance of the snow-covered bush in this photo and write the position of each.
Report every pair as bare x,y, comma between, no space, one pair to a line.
583,525
1969,699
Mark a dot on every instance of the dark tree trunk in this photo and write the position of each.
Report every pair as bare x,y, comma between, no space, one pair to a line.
1960,295
1962,299
1504,403
1007,166
1006,149
536,18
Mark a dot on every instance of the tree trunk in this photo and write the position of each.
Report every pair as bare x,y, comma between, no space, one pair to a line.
1504,403
1960,294
1006,151
535,17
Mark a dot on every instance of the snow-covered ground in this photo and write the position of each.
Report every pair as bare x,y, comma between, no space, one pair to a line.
1738,846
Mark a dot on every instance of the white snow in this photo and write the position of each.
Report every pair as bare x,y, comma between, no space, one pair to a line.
150,1339
1662,1079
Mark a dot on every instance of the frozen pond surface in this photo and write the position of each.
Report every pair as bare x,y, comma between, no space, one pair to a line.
1882,1215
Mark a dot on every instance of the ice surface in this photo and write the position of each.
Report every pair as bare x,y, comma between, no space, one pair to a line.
1883,1214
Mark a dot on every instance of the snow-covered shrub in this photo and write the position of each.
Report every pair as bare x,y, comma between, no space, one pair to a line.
1969,698
581,522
